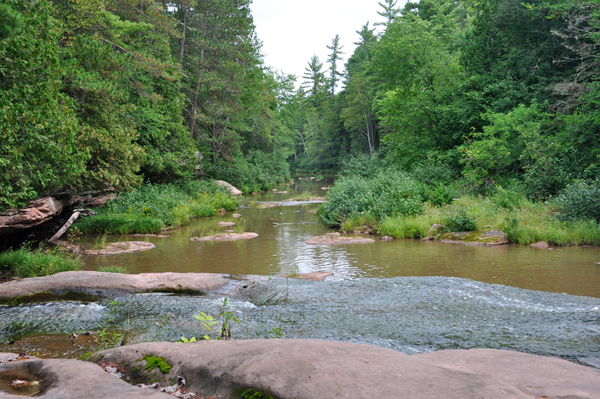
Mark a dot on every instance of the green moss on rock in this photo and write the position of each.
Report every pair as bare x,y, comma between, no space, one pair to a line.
41,297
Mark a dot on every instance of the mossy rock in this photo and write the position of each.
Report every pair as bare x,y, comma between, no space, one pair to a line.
477,238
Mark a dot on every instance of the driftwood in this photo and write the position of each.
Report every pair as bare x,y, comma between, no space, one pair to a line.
62,231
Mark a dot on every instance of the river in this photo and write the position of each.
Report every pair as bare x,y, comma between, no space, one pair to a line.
406,295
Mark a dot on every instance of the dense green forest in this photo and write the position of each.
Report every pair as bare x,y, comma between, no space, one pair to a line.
466,97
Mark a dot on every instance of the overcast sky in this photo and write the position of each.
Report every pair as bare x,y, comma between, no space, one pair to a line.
292,31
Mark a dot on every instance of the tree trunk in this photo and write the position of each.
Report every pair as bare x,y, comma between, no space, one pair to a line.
199,79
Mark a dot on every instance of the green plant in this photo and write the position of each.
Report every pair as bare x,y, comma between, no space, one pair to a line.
227,317
100,242
153,362
460,218
207,321
106,338
184,340
580,200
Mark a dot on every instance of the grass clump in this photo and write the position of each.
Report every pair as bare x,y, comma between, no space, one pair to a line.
151,208
112,269
25,263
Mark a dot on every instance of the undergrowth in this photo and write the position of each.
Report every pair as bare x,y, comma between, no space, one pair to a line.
25,262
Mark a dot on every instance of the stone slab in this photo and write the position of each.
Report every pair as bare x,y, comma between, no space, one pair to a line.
226,237
534,375
311,369
105,284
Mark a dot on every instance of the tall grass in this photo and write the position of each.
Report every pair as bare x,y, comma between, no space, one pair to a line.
151,208
24,262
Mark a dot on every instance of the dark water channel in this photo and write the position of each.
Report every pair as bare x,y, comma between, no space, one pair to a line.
409,296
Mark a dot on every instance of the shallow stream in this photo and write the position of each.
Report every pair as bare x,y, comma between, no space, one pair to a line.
406,295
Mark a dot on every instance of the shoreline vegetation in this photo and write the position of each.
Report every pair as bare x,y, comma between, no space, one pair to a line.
385,201
153,208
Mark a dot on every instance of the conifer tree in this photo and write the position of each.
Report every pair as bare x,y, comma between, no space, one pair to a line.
334,57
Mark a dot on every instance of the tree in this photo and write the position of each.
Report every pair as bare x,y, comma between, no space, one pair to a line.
314,81
389,12
334,57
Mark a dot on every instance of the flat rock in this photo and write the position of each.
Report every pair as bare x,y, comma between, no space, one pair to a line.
226,237
73,379
232,189
150,235
311,369
314,276
488,238
337,239
118,248
108,284
226,224
236,215
533,375
387,238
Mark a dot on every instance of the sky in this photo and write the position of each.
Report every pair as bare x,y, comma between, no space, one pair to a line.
292,31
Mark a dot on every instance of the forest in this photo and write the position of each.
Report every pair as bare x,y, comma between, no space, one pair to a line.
445,98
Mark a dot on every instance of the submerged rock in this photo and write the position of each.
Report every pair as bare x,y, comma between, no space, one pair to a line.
314,276
226,224
541,244
118,248
338,239
488,238
387,238
312,369
226,237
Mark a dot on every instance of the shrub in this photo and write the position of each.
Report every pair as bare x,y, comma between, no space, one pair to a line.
42,262
404,227
387,193
580,200
460,218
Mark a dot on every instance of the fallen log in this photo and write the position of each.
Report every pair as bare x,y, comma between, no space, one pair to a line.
63,230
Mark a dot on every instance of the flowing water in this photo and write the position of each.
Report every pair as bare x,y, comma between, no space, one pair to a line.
406,295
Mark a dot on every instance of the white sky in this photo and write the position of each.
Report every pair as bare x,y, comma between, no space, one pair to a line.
292,30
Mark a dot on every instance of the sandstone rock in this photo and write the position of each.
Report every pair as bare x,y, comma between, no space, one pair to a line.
226,237
533,375
541,244
236,215
232,190
111,284
325,188
73,379
119,248
43,209
338,239
226,224
311,369
435,229
387,238
314,276
281,192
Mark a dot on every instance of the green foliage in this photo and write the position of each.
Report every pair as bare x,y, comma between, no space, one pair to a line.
25,263
387,193
580,200
10,21
148,209
207,322
249,393
404,227
460,218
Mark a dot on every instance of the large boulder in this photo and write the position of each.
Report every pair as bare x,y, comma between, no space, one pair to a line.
308,369
43,209
111,284
232,190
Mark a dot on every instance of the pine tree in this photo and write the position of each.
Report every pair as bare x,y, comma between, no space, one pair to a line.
389,12
334,57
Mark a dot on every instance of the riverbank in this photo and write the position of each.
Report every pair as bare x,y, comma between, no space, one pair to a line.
394,203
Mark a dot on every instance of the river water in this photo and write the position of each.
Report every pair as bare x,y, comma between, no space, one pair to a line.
405,295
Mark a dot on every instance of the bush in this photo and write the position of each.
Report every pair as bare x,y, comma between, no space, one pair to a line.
42,262
460,218
388,193
580,200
